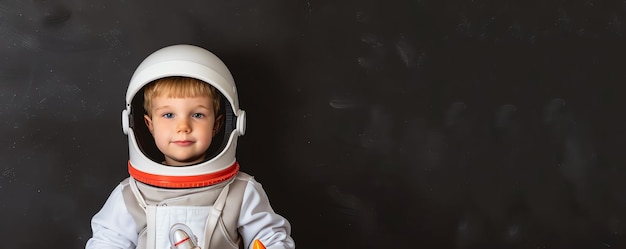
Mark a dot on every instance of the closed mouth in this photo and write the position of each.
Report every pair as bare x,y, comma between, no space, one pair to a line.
183,143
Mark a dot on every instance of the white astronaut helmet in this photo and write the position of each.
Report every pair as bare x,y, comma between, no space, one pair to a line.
145,160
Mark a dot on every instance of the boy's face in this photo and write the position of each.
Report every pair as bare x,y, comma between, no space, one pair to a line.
182,128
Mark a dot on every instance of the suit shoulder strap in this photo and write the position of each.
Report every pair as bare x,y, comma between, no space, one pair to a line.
135,210
232,209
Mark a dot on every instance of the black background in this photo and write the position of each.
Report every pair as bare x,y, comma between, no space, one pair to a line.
371,124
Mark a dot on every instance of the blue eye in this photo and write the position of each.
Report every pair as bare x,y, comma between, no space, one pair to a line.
197,115
168,115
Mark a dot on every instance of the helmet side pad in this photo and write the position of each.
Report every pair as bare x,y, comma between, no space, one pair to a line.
142,134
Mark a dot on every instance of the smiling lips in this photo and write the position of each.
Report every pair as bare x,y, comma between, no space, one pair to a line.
183,142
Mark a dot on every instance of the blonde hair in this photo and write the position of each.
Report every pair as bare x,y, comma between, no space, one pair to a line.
179,87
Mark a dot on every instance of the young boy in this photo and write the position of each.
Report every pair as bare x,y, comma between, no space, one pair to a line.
185,189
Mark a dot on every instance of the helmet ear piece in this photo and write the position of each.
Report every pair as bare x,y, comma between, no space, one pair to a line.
232,122
241,123
125,121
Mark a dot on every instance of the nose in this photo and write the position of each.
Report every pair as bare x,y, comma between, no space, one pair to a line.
183,126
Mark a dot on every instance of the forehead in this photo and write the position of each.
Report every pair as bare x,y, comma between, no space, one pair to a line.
191,102
182,91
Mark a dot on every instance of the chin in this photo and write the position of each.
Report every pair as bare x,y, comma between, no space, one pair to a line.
185,161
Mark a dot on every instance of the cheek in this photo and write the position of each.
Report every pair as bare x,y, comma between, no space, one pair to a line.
207,135
160,132
159,138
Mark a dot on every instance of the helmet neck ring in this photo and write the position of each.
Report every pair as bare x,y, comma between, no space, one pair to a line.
193,181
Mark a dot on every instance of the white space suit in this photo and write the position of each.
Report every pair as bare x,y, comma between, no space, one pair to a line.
215,204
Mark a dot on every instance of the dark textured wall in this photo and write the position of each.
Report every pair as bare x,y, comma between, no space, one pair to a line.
372,124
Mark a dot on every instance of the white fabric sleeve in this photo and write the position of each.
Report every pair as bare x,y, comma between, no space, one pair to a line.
113,226
258,220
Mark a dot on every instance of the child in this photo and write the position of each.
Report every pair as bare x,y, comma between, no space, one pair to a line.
185,189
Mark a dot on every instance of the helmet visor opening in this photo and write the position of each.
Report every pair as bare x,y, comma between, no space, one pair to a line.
146,142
